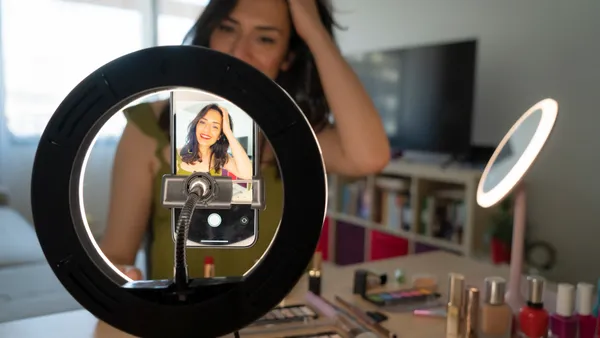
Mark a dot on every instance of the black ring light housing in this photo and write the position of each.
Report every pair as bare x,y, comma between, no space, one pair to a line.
217,306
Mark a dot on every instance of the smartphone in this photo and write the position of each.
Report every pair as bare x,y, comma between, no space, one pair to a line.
203,141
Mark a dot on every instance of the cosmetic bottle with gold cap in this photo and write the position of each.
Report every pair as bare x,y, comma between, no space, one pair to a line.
456,286
470,311
314,274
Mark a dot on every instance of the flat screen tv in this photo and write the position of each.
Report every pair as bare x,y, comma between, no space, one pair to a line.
424,94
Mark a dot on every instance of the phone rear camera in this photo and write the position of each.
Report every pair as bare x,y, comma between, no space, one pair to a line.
244,220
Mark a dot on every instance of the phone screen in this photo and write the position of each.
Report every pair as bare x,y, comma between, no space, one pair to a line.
211,134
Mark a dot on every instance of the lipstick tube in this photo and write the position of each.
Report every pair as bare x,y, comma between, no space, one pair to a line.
209,267
314,274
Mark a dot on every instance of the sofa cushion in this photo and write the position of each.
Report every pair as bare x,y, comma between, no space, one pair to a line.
32,290
18,241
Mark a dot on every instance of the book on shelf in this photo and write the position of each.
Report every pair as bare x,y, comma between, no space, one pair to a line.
443,216
442,212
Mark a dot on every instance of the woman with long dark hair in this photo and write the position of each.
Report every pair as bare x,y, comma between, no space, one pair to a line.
290,41
209,137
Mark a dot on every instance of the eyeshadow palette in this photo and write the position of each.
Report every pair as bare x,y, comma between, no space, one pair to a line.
402,297
287,314
328,334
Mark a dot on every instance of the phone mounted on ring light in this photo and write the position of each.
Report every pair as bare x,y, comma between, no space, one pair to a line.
213,192
221,192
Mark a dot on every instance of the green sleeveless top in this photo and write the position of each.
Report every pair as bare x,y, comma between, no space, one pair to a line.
228,262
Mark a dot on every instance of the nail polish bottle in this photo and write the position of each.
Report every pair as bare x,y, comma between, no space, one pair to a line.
533,318
496,315
563,323
586,322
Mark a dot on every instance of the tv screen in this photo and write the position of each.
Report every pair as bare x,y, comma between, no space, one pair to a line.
424,94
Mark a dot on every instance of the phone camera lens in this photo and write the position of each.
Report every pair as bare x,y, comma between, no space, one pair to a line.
214,220
244,220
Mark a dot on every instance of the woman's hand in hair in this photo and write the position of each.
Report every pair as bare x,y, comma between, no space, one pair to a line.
305,15
226,123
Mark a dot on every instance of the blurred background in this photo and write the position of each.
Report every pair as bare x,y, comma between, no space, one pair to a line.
496,58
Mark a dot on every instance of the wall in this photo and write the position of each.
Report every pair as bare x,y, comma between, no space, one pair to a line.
528,51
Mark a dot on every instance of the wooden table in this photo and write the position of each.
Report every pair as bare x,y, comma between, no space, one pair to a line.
336,281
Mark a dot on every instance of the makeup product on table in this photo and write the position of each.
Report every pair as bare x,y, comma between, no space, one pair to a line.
285,318
563,323
314,274
364,280
410,298
434,313
496,315
263,329
326,334
470,310
453,309
286,314
533,318
209,267
425,282
364,319
399,276
596,311
377,316
346,322
270,329
586,322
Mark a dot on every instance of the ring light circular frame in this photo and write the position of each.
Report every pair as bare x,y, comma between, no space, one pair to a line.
549,108
57,199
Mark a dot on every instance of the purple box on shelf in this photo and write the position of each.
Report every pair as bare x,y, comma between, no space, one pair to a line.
350,244
422,248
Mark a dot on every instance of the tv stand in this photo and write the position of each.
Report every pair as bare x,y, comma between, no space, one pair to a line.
425,157
434,159
454,158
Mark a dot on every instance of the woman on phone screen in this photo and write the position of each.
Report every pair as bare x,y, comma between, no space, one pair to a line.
290,41
209,138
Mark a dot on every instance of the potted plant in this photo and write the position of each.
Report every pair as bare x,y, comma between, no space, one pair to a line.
501,232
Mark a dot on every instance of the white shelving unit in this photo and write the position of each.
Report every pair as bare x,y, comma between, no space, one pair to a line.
424,184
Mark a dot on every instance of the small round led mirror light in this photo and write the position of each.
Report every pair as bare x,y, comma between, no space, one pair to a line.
503,174
215,307
543,114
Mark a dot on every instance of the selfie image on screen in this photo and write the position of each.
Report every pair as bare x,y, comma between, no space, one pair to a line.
214,136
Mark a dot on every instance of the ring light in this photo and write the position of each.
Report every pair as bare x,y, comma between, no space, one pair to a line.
147,308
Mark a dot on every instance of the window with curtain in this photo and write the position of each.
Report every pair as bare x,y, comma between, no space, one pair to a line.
49,46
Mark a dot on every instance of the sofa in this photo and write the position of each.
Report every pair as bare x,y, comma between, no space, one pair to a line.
28,287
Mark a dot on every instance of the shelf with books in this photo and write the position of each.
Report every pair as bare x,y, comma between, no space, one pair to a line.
425,207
